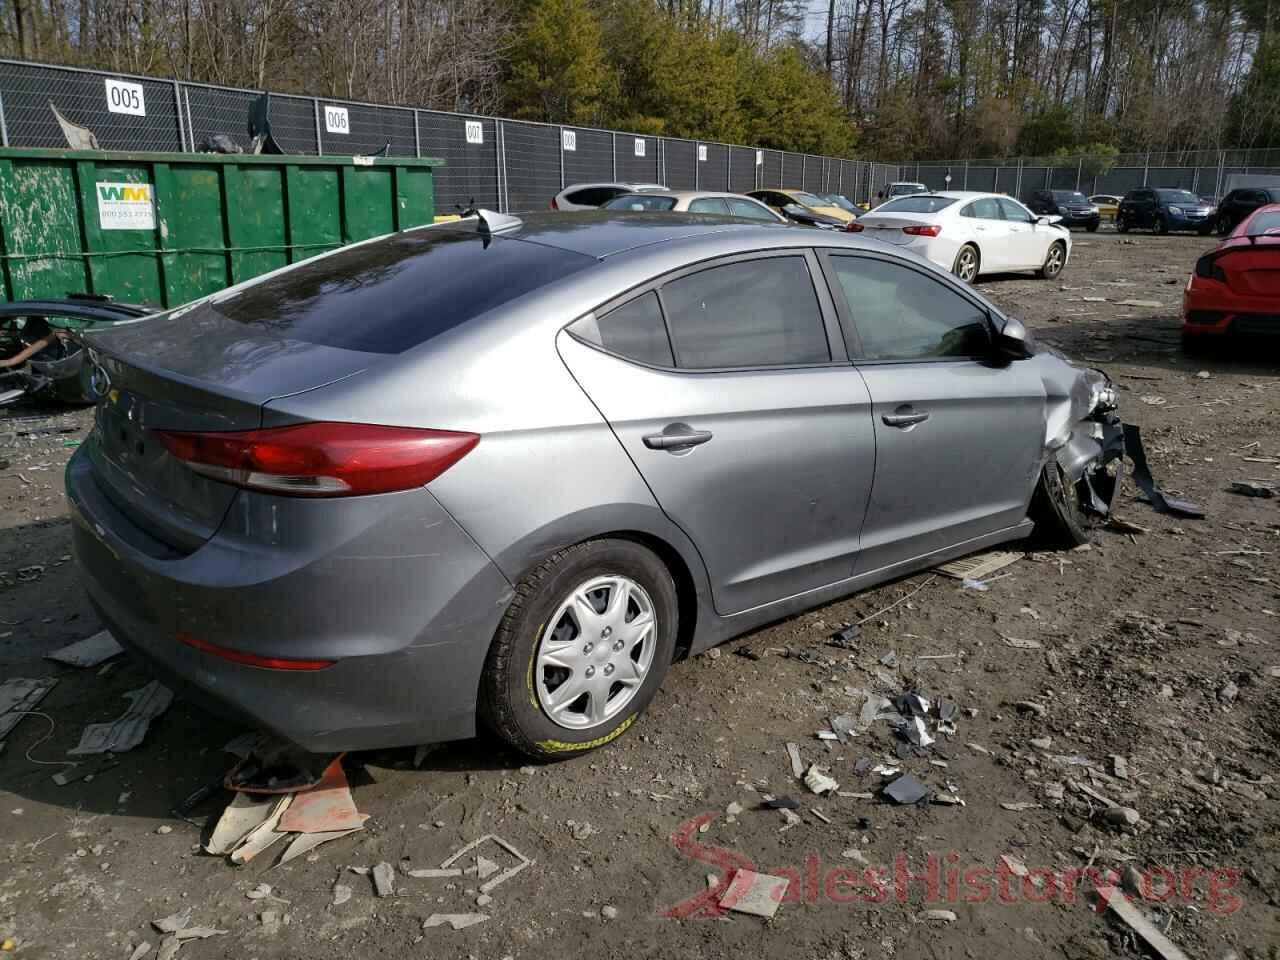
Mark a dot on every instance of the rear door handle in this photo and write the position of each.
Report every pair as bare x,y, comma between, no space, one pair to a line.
677,439
907,418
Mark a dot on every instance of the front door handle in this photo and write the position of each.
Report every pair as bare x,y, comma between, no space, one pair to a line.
904,417
677,438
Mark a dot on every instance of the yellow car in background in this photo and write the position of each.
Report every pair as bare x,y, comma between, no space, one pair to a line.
777,199
1107,205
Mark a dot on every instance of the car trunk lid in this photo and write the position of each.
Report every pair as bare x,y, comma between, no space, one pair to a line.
1253,270
889,227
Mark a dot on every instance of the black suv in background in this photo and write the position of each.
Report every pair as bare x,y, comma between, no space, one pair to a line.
1163,209
1241,202
1071,205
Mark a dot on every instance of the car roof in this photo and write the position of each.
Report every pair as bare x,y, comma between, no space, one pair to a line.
694,194
613,183
606,233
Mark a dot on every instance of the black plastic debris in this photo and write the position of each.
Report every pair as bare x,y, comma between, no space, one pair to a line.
1142,477
863,823
906,790
780,803
747,654
846,639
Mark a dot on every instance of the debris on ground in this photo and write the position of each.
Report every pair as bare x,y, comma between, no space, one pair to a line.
18,697
845,639
942,916
384,880
1248,488
980,566
341,894
130,728
757,894
489,885
818,782
1137,921
242,814
797,764
906,790
458,921
90,652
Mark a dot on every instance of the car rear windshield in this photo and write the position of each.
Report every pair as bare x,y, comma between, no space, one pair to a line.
1177,196
393,294
1068,196
1264,225
639,202
917,204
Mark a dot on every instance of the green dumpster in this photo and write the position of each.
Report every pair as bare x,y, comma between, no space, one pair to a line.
165,228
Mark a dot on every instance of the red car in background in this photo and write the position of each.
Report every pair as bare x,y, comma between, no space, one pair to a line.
1235,288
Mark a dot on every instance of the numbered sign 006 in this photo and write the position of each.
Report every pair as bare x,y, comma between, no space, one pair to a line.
124,97
336,120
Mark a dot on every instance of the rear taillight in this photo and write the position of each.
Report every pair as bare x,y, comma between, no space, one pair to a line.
924,230
322,459
554,205
1208,267
853,226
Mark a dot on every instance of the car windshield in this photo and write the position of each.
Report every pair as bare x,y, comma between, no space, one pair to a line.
1068,196
1177,196
637,202
844,203
918,204
1264,225
808,199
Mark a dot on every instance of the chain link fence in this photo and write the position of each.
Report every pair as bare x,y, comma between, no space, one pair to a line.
501,164
1205,172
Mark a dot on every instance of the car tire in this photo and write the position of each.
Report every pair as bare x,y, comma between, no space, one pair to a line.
1205,231
967,263
1054,261
1201,345
517,687
1093,227
1122,226
1060,523
1161,227
1224,226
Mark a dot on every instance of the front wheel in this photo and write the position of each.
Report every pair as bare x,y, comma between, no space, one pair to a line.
1054,261
1224,226
1060,523
1122,225
967,263
582,649
1162,227
1092,228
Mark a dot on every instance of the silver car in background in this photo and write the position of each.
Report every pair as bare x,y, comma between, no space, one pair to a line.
503,471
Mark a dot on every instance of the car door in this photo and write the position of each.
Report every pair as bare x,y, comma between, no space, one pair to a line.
750,209
1027,243
728,385
959,436
991,233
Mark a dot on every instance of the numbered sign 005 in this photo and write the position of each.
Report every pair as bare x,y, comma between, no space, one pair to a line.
125,97
336,120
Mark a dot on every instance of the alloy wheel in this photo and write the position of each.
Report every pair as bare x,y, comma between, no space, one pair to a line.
1053,265
595,652
967,266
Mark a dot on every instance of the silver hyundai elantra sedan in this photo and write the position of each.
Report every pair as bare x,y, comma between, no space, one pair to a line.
503,471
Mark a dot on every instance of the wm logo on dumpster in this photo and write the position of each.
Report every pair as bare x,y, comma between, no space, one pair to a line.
136,192
125,206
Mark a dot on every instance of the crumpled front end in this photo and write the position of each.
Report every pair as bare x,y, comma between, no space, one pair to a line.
1083,432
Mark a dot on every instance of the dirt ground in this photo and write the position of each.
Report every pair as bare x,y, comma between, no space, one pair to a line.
1158,647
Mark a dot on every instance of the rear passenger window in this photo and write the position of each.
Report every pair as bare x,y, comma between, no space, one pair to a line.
708,205
754,313
634,330
901,314
594,196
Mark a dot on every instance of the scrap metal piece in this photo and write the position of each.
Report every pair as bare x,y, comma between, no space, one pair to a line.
434,873
88,652
1142,477
18,697
918,733
1137,921
502,877
306,842
127,730
979,566
906,790
757,894
325,808
242,814
261,836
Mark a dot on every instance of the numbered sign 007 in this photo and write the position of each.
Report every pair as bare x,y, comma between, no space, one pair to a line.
125,97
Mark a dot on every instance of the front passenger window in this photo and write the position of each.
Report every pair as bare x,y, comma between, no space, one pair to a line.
903,314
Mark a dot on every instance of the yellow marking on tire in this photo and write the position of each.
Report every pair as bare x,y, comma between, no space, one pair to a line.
560,746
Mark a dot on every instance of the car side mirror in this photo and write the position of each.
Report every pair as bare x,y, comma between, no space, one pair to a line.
1011,340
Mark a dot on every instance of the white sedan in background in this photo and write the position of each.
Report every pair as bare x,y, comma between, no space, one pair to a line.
971,234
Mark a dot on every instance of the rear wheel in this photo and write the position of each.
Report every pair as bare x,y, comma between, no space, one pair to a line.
582,649
1092,228
1224,226
968,260
1122,225
1162,226
1054,261
1055,509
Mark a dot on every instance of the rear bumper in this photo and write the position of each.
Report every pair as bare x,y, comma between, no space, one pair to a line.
389,587
1209,309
